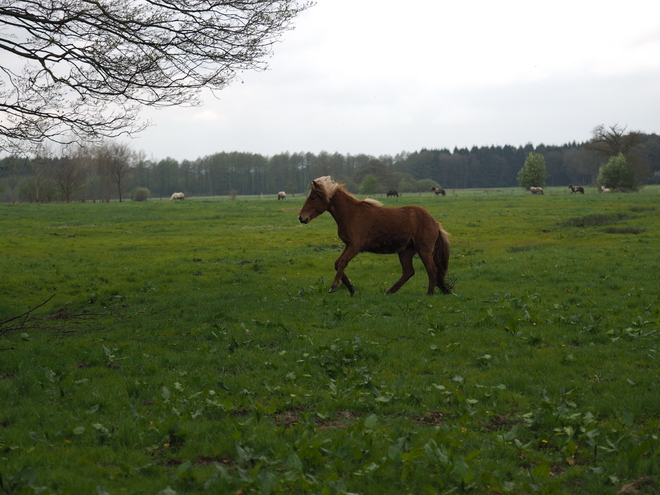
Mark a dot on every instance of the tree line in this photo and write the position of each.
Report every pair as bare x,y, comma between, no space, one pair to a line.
112,171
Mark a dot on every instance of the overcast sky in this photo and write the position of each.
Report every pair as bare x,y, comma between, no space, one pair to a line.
383,76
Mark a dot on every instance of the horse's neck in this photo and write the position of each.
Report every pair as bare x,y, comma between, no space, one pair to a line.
343,206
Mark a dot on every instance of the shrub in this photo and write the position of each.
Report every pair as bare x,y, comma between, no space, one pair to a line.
655,178
140,194
369,185
425,185
617,174
407,184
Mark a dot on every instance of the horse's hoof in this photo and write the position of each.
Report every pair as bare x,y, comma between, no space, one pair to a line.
332,289
351,289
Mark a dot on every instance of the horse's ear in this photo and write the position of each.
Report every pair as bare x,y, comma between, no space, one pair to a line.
314,185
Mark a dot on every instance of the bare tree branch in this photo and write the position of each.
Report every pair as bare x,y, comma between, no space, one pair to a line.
613,140
88,66
26,314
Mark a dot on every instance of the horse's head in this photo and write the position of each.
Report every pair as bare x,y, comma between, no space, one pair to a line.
317,201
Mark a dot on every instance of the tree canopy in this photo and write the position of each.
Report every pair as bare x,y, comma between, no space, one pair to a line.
613,140
72,69
616,173
533,173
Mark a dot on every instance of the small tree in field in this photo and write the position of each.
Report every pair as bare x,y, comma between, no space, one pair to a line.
617,174
141,194
533,173
369,185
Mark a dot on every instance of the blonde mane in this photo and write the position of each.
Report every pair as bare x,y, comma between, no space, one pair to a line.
327,187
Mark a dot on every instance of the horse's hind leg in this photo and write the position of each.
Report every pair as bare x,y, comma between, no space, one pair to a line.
407,270
426,256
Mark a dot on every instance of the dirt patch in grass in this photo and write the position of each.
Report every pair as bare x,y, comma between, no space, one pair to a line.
594,220
520,249
624,230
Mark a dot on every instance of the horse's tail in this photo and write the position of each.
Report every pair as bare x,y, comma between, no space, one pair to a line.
441,259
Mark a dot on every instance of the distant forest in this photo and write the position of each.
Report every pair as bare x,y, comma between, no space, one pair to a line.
114,171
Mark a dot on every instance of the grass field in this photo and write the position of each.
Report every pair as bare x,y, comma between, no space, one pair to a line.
192,347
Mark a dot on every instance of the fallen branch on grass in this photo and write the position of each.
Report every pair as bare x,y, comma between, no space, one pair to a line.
26,315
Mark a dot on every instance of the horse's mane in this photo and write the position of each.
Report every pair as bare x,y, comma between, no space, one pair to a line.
328,188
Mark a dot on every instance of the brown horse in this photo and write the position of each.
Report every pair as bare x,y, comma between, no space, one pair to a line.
392,192
438,190
367,226
576,189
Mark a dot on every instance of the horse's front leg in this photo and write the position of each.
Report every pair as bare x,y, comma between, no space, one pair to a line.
340,265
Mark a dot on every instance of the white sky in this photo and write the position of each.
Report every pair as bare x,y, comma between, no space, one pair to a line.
383,76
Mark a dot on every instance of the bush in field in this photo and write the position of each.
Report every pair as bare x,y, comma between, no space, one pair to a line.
425,185
617,174
655,178
533,173
140,194
369,185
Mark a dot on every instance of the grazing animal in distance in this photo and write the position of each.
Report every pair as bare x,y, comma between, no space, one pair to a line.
576,189
392,192
438,190
367,226
176,196
604,189
536,190
281,195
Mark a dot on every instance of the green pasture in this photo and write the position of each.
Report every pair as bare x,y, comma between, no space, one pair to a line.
192,347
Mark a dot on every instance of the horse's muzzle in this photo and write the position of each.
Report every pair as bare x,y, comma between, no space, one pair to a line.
303,220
